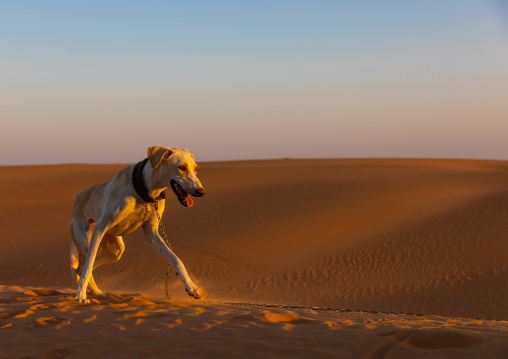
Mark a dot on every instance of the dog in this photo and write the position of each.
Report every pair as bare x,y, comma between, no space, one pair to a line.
103,213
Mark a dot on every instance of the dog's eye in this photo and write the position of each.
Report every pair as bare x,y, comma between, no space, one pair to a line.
182,168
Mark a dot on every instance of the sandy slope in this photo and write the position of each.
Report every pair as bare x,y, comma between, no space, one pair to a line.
48,323
413,236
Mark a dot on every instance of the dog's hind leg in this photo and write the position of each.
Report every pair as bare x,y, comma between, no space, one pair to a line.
94,290
110,250
75,267
80,235
74,261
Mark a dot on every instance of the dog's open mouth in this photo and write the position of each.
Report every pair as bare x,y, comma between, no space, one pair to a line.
183,197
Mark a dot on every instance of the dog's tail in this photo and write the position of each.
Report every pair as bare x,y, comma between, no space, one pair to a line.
74,261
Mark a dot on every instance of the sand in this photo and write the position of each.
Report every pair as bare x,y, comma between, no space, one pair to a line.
426,237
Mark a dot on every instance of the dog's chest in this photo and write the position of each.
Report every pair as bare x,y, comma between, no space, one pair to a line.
139,215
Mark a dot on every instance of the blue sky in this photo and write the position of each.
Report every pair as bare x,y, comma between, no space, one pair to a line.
100,81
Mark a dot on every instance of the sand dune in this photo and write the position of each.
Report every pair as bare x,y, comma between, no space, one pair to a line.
413,236
43,323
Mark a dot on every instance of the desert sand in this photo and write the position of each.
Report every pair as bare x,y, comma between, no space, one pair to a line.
416,250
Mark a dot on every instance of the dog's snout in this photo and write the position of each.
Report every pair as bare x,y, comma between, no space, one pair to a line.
200,192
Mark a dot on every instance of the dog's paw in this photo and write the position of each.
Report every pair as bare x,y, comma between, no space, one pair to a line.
82,300
196,292
81,297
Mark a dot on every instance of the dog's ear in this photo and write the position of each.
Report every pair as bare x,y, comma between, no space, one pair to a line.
157,153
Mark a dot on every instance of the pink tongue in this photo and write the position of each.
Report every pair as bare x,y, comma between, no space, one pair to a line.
189,201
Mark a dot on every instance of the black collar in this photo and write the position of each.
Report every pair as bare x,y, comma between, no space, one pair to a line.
139,184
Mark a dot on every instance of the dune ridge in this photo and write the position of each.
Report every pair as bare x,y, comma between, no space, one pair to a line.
387,235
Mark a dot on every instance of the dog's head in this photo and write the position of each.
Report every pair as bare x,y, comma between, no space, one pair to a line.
177,169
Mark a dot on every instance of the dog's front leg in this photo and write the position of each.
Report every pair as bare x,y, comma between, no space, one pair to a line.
153,238
86,274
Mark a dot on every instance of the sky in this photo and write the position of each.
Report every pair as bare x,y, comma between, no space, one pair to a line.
100,81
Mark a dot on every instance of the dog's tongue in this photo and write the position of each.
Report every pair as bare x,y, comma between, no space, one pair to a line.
189,201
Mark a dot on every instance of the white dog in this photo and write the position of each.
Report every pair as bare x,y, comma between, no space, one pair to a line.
102,213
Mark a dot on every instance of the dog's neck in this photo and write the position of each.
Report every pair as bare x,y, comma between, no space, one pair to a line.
145,182
154,187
